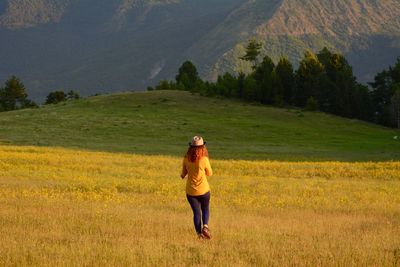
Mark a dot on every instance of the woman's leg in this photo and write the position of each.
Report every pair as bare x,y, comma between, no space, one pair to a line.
205,207
195,205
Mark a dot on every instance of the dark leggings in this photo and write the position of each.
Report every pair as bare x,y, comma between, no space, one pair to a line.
201,209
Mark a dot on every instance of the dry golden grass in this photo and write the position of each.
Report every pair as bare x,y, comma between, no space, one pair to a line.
62,207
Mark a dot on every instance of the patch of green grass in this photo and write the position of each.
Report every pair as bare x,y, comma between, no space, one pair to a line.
162,122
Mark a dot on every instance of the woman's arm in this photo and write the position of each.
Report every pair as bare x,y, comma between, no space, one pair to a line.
184,170
208,168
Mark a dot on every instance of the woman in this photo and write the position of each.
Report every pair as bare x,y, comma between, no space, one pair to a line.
196,166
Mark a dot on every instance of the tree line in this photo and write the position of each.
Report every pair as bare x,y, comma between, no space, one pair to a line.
13,96
322,81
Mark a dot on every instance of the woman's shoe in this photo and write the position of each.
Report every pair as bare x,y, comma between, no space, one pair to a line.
206,232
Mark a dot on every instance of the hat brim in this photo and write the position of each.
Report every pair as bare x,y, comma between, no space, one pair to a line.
190,144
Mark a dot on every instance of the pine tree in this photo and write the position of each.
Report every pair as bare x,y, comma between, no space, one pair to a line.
395,71
340,93
187,75
252,52
285,74
381,95
250,88
308,79
13,95
264,79
395,106
362,105
227,85
240,84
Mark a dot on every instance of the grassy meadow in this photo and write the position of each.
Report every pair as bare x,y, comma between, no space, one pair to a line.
95,182
68,207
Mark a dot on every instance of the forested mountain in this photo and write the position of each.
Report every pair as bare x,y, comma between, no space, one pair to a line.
105,45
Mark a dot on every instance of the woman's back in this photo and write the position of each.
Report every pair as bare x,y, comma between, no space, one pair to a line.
197,172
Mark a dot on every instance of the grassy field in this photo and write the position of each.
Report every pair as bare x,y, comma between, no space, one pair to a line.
162,122
68,208
96,182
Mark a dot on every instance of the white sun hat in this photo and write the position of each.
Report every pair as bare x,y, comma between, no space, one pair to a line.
197,141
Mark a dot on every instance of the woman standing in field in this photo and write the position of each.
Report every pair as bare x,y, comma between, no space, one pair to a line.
196,166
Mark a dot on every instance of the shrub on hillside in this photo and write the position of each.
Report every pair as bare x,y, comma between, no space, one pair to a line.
55,97
60,96
312,104
72,95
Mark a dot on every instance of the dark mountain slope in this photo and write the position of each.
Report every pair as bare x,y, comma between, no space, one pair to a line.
101,51
102,45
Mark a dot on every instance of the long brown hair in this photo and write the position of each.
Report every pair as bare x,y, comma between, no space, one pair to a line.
195,153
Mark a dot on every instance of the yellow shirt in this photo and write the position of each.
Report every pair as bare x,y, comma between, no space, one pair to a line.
196,184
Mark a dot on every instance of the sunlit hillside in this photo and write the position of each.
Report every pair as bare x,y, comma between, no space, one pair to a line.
162,122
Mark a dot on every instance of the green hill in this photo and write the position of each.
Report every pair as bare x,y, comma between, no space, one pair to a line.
162,122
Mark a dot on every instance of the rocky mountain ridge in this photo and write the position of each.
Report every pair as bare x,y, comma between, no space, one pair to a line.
101,45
